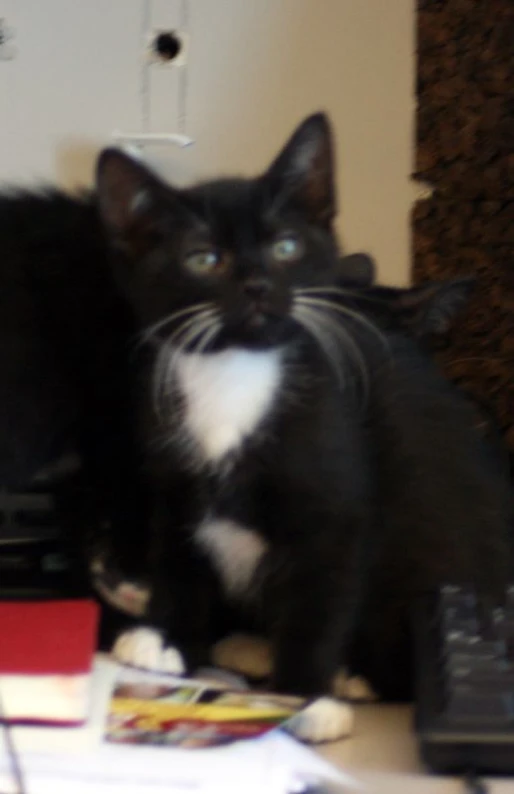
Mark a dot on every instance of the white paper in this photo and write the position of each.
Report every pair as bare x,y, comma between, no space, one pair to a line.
74,760
273,764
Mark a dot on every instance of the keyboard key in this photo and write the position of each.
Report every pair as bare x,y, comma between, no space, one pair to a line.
465,703
458,619
503,622
478,656
476,664
483,680
455,594
503,627
457,640
493,649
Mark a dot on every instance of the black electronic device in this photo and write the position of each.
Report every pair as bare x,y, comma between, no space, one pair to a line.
464,656
34,560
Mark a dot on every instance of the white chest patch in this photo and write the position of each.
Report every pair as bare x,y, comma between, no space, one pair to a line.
235,551
226,395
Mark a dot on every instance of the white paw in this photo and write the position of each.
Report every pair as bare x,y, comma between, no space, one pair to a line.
353,688
172,661
129,597
247,654
144,648
325,720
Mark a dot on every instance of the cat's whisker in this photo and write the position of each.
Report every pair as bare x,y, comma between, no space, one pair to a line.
192,336
164,361
353,348
147,333
175,339
170,348
326,325
328,288
328,346
160,378
344,293
329,305
209,335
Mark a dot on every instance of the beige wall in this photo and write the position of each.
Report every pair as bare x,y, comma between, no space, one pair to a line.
260,66
255,68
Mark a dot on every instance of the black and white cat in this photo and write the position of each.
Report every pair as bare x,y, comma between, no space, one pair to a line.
310,469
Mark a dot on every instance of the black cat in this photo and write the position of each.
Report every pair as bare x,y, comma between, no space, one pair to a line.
426,314
68,362
309,468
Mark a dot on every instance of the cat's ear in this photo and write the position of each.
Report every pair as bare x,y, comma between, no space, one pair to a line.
356,269
430,309
128,197
303,173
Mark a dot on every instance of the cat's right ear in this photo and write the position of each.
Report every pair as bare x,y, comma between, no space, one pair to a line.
303,172
128,198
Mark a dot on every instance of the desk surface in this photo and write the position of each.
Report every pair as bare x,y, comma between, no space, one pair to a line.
383,755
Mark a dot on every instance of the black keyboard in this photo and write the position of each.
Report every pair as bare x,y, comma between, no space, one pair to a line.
464,659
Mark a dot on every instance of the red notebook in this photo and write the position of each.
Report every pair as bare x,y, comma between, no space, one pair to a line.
46,658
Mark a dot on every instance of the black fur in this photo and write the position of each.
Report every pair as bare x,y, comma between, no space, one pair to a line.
366,478
66,337
426,312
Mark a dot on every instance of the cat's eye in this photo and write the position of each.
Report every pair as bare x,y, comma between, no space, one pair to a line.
203,261
287,248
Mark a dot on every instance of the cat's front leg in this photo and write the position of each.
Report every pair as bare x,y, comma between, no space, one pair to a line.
313,625
147,644
174,632
316,606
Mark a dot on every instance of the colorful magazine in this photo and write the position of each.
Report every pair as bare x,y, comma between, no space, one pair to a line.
159,710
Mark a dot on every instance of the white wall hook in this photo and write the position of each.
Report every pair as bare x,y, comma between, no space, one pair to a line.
135,141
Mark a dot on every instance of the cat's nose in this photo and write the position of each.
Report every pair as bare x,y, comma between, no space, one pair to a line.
257,288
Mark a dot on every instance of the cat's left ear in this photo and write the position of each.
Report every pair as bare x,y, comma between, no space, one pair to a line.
303,173
129,198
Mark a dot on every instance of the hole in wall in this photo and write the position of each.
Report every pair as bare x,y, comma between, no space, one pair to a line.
167,45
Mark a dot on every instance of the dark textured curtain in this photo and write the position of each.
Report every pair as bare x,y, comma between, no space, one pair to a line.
465,150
